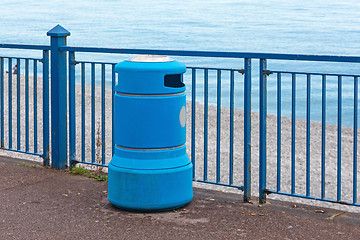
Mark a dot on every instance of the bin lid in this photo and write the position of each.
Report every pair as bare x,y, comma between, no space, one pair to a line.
150,75
150,58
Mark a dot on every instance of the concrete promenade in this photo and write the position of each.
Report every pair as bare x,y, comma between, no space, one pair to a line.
42,203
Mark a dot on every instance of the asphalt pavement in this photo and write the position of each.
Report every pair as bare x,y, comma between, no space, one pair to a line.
43,203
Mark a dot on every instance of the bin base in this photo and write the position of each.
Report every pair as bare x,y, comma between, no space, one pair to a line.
147,190
145,210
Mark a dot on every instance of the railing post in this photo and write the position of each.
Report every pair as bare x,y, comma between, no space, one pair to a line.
72,111
262,148
2,102
58,97
46,145
247,129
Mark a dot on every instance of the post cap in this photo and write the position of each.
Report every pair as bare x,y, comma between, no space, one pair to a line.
58,31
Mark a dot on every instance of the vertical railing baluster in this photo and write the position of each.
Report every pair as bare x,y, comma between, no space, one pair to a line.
35,105
356,87
103,114
46,103
218,128
2,102
193,104
278,182
72,109
10,101
26,105
308,90
293,116
247,129
338,198
112,108
262,131
231,150
83,112
323,135
18,91
206,109
93,112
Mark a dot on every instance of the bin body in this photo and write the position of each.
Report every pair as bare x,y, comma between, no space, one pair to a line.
150,170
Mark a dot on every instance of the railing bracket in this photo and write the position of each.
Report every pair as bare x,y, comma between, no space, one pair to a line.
267,72
242,71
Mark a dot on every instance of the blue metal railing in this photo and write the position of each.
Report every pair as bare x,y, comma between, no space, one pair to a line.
23,80
88,105
339,179
97,135
203,167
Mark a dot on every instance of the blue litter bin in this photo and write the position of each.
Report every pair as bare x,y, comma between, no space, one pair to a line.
150,170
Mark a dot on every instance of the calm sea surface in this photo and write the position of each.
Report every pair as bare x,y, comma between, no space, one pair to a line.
304,27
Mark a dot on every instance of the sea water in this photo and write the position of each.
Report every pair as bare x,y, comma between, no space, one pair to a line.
275,26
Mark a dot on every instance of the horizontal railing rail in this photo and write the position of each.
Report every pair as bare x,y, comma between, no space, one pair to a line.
25,46
22,58
313,73
274,56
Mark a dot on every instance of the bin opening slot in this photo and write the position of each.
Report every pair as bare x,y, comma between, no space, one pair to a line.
173,80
